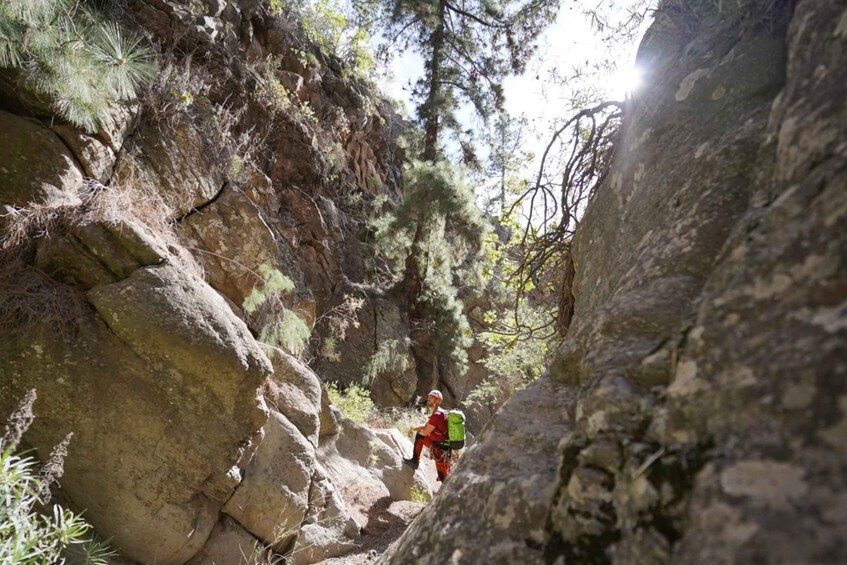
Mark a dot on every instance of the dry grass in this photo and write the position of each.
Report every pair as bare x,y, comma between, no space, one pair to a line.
183,90
400,418
97,203
19,421
29,297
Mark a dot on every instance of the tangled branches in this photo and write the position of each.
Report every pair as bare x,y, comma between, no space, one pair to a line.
576,160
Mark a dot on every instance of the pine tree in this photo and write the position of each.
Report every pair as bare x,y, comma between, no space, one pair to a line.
70,53
468,47
505,139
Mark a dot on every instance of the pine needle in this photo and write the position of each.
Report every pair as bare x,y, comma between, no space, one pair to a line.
127,65
67,52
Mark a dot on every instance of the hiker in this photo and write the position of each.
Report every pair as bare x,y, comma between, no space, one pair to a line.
431,435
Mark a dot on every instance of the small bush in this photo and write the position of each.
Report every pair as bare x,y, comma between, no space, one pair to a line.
354,401
277,100
180,95
289,332
337,321
28,533
325,25
274,283
403,419
418,495
391,356
279,325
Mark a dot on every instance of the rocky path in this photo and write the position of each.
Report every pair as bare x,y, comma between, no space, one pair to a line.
382,520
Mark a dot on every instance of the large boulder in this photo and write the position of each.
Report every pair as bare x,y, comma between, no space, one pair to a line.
328,529
96,158
96,253
36,165
295,391
160,387
231,544
366,466
287,501
710,324
272,500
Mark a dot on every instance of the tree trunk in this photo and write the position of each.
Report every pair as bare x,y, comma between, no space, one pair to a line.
416,261
431,112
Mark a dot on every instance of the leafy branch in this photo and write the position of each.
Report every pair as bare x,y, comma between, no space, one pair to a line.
69,53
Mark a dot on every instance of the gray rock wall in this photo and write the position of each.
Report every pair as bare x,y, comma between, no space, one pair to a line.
710,331
122,307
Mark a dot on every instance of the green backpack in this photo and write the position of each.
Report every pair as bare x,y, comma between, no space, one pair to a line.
456,429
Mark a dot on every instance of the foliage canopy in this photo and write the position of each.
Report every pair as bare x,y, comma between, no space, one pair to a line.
434,232
468,47
67,52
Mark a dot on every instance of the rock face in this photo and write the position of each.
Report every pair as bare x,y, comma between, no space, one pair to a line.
159,386
710,326
124,266
35,164
379,341
272,500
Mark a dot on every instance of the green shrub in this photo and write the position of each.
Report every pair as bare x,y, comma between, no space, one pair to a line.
29,534
354,401
289,332
326,26
485,392
67,52
418,495
337,321
390,355
278,324
274,283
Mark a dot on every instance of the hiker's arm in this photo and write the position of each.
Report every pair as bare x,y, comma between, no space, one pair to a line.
425,430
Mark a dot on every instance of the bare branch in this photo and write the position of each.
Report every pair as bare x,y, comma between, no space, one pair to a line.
584,158
477,19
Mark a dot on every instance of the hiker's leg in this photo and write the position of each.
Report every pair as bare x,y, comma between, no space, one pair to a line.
420,443
445,463
441,468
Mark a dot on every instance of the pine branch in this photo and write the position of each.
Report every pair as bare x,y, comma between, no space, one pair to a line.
477,19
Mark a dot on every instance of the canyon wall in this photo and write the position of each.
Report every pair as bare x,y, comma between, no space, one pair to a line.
697,411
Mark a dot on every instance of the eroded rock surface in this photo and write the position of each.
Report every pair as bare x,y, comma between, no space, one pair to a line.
710,326
163,407
35,165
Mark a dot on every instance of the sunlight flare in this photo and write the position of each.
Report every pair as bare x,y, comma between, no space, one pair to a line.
627,80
